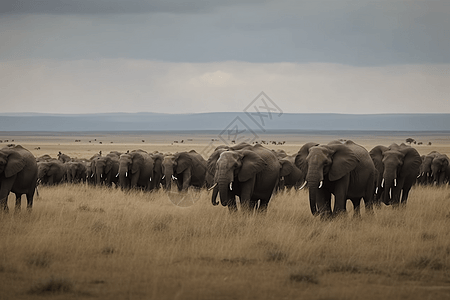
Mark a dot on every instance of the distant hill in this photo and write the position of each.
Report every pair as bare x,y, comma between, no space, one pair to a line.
220,121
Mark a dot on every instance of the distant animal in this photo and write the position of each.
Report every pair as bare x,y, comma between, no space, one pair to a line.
398,168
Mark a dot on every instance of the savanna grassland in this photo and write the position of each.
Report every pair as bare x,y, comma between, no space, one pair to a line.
84,242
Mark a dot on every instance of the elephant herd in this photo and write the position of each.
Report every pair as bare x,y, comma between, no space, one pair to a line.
244,177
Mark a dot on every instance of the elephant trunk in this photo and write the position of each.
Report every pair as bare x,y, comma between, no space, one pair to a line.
315,182
168,174
99,176
225,185
214,195
389,183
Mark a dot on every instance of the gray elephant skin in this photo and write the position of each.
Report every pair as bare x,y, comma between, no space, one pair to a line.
398,168
75,171
344,170
440,169
135,170
186,168
105,169
245,171
425,174
18,174
290,175
51,172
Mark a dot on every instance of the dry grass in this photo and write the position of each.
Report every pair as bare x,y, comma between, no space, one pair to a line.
83,242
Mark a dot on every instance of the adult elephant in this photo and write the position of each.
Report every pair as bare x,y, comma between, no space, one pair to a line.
425,174
398,167
51,172
75,171
344,170
248,172
439,168
135,170
186,168
105,169
18,174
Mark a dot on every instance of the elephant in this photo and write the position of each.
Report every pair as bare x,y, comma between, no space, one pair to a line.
342,169
75,171
51,172
90,179
18,174
290,175
439,168
248,172
186,168
105,169
135,170
157,171
425,173
398,167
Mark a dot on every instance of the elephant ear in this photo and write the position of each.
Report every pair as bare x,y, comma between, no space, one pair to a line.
286,167
411,161
377,157
344,161
137,161
300,158
15,164
184,161
252,164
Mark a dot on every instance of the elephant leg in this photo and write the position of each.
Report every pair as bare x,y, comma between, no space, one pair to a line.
30,196
356,207
262,208
232,206
247,203
18,201
4,202
340,195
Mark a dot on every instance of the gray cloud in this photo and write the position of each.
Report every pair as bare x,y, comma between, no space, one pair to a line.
364,33
111,6
122,85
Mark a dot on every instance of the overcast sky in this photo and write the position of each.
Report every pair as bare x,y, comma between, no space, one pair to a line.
314,56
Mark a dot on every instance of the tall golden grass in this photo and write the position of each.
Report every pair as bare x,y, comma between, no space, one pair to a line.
83,242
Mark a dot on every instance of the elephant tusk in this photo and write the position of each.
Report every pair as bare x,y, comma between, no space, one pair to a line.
418,176
382,183
164,176
150,179
126,174
174,178
376,190
231,186
215,184
117,175
320,184
395,182
92,175
304,184
101,175
390,193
